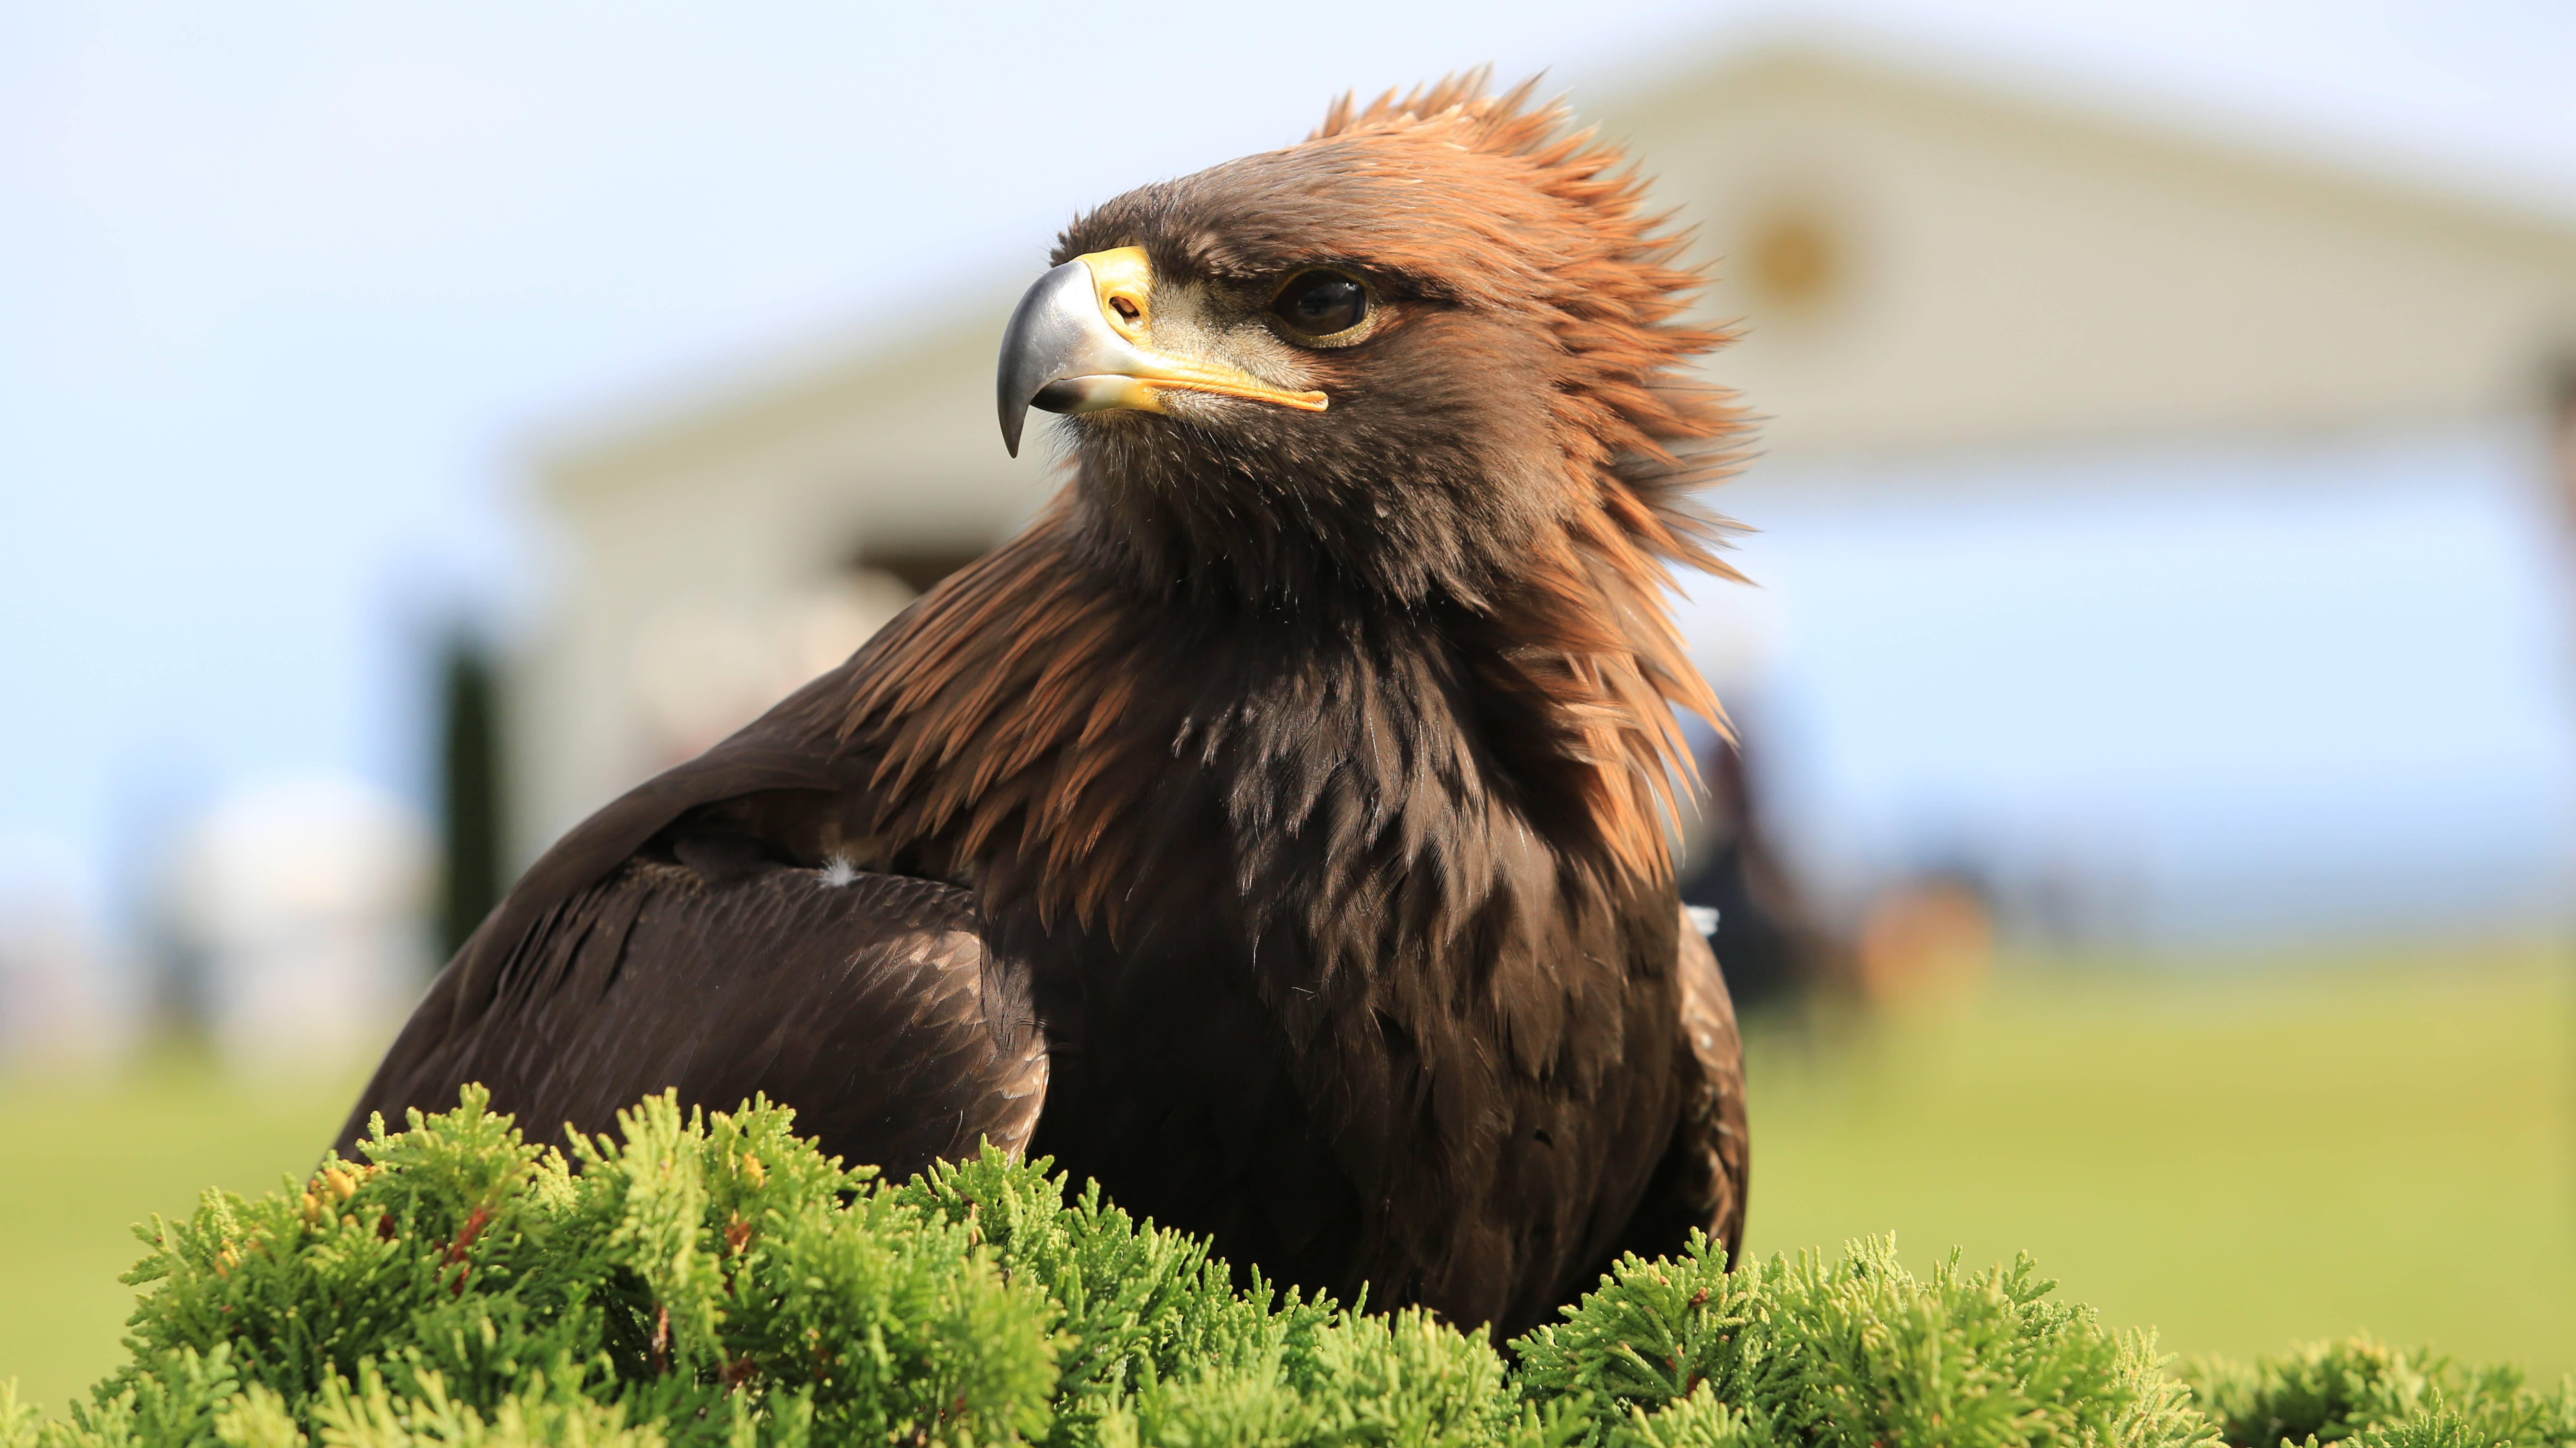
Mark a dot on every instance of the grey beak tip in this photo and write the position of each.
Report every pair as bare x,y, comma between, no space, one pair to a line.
1050,329
1013,418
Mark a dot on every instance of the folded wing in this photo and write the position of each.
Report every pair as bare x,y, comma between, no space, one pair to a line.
869,1002
1700,1183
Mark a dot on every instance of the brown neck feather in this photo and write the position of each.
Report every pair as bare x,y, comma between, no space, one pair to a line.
1042,725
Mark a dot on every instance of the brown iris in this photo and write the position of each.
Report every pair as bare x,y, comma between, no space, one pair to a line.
1320,303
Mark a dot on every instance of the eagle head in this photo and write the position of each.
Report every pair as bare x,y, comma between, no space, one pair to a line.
1420,354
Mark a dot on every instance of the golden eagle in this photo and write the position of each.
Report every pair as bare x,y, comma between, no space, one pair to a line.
1277,829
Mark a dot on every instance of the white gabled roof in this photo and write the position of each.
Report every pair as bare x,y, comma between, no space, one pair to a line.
1983,268
1925,263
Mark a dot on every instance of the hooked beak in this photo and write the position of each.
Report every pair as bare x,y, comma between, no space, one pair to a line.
1080,341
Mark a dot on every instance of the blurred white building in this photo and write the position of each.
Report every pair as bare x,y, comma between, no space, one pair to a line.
1951,292
298,901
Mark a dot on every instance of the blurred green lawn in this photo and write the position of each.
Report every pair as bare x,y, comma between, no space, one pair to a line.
81,1161
2239,1156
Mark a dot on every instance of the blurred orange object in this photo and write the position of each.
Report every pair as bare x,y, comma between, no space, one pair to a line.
1930,939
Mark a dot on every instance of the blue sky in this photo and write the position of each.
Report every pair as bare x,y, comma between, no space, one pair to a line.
2189,691
287,292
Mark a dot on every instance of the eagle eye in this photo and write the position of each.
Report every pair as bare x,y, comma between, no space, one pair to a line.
1320,303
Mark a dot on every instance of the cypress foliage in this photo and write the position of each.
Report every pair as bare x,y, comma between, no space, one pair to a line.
1852,1352
713,1280
2374,1396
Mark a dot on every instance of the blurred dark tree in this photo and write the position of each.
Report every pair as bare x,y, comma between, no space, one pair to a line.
2562,436
469,790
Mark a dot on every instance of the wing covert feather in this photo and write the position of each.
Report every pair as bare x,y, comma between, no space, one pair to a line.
869,1002
1711,1135
1700,1181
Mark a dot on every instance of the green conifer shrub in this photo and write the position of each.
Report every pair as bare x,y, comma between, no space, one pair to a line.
1856,1351
2374,1396
714,1280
